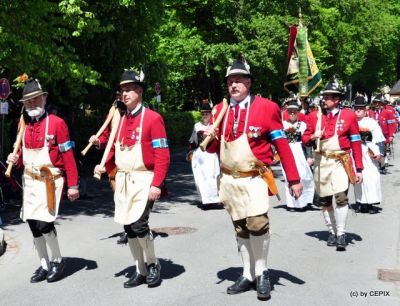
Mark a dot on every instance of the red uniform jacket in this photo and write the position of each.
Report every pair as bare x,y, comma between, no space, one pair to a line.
57,135
387,122
265,117
391,109
155,151
347,130
371,114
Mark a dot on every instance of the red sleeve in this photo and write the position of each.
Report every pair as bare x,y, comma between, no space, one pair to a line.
214,145
161,155
283,148
310,130
391,123
68,157
104,138
302,117
356,145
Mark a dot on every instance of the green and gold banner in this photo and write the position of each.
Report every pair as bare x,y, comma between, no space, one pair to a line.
303,75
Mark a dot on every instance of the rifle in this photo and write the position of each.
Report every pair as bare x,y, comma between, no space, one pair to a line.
216,124
17,144
115,123
102,128
318,129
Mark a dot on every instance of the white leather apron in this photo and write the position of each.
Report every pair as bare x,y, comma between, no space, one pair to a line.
34,204
329,174
244,196
132,180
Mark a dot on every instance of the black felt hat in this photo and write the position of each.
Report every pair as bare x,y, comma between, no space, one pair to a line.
360,101
205,108
379,98
292,104
130,76
32,89
239,67
333,87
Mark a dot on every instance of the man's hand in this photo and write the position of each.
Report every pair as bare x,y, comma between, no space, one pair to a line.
359,178
296,190
390,139
73,194
99,170
94,140
318,134
154,193
310,161
211,131
12,158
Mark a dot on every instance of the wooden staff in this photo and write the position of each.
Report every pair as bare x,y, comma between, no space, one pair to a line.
110,143
318,129
101,130
17,143
216,124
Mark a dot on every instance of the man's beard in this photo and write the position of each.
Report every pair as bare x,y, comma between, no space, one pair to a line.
35,111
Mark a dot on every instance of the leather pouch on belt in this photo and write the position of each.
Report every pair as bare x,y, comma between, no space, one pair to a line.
48,177
347,163
268,176
111,178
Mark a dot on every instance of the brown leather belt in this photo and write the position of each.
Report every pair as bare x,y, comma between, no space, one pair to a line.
333,155
239,174
42,178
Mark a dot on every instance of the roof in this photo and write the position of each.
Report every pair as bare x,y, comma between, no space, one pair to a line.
395,89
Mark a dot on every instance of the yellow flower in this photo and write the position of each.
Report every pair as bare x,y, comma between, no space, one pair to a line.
22,78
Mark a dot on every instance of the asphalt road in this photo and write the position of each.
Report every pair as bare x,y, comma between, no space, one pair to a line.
198,253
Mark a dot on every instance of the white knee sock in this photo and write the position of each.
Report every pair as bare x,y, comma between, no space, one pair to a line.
260,246
137,253
341,215
40,245
52,242
246,254
330,220
147,243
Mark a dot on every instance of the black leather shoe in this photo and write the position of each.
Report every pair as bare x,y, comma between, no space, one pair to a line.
136,280
56,271
154,277
363,208
242,284
371,209
39,275
123,238
341,243
331,240
263,286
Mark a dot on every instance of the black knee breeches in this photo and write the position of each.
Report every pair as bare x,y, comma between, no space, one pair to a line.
140,228
40,227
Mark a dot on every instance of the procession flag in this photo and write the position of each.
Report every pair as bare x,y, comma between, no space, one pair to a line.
303,75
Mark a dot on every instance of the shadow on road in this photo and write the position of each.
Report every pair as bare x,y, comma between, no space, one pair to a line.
232,274
323,236
98,199
169,270
75,264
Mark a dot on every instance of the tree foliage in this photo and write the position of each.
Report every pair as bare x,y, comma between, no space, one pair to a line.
78,48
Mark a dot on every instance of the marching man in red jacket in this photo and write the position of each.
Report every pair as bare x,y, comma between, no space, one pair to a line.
337,136
141,154
48,158
243,140
387,122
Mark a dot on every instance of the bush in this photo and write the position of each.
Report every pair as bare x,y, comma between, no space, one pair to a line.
179,127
